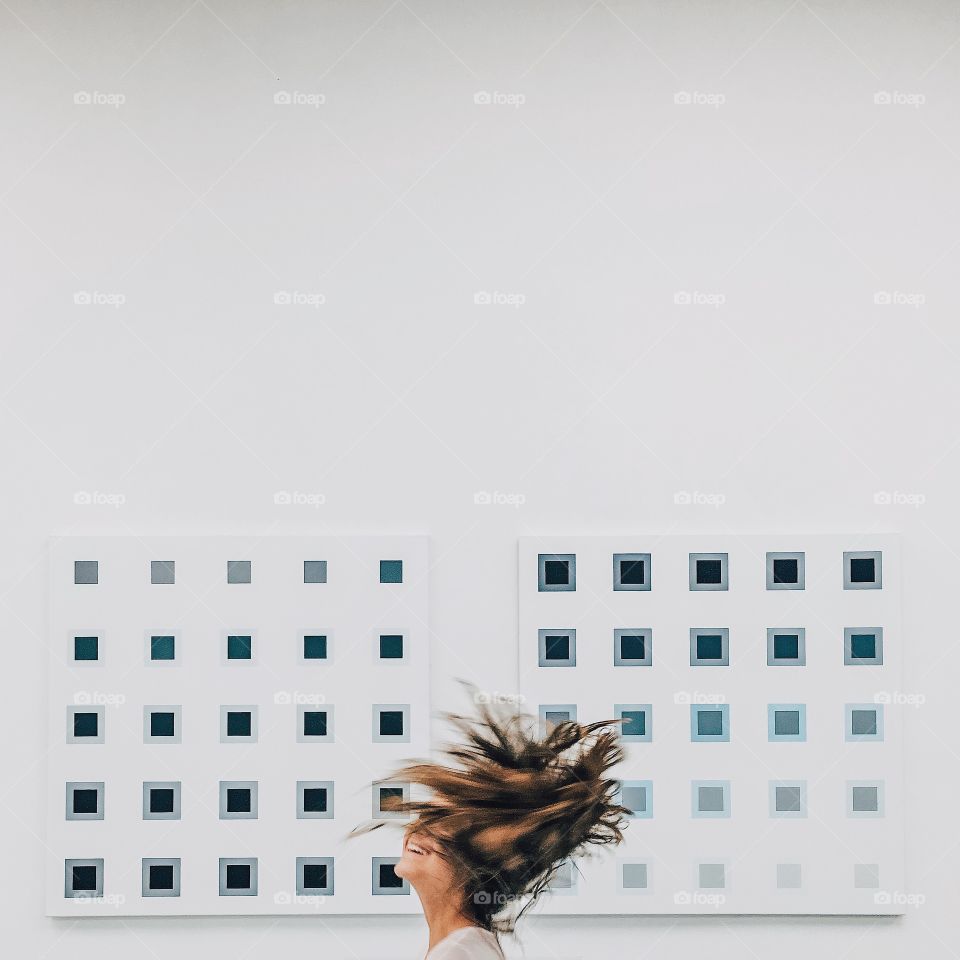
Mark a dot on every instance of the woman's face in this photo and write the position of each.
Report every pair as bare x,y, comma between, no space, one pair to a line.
422,865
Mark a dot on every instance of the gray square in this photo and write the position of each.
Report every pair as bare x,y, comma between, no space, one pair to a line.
229,886
404,793
864,798
228,797
163,571
80,724
557,647
564,879
702,643
634,876
631,571
238,571
779,563
153,885
165,803
305,723
625,644
854,562
863,723
788,799
866,876
710,798
385,719
709,571
84,800
712,876
780,645
86,571
302,876
150,725
856,644
231,716
314,571
789,876
382,884
556,572
307,791
83,878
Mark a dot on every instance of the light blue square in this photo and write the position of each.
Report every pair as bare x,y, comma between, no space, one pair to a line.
710,722
786,722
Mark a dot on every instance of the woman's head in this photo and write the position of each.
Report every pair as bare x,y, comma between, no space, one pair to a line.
514,806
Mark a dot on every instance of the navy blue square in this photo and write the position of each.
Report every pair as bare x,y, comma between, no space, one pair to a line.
863,646
162,724
239,647
84,877
709,571
391,723
862,570
636,725
238,723
391,646
391,571
162,648
86,648
86,724
314,876
633,646
315,723
556,647
709,646
315,799
315,647
786,646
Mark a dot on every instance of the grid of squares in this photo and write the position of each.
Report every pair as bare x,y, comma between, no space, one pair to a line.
197,771
767,666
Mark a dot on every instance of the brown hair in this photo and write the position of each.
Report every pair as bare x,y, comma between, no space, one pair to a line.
515,806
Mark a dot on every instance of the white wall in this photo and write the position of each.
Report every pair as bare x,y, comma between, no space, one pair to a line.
598,200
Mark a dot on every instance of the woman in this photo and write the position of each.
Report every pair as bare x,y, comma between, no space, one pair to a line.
501,821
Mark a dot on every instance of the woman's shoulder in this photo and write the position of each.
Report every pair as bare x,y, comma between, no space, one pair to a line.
467,943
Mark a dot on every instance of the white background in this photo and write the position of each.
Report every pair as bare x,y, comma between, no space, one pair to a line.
797,399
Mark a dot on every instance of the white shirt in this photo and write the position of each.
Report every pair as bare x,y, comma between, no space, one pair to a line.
467,943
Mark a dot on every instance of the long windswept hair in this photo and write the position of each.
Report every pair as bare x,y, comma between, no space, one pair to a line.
516,805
